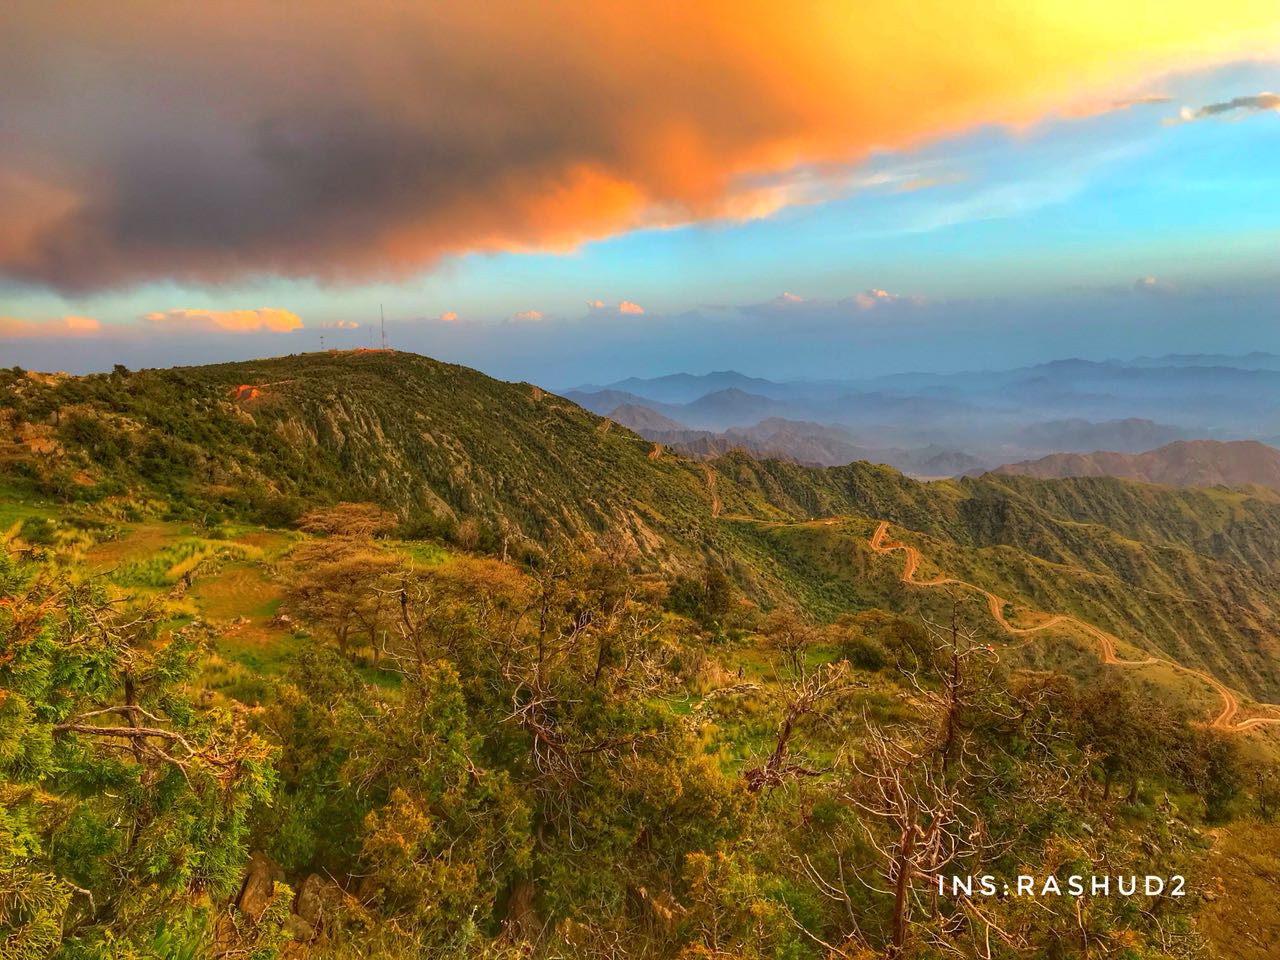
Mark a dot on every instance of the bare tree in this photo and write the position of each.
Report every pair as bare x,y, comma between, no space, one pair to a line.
915,820
914,787
960,689
808,695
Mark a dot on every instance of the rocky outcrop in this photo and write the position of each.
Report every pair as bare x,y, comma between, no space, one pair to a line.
319,899
316,904
259,886
299,929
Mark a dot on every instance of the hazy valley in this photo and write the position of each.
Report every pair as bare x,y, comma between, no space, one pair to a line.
934,425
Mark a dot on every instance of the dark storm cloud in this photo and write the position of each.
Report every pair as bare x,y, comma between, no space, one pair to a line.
346,141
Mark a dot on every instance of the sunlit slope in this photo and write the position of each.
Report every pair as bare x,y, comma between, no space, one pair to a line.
432,440
1188,574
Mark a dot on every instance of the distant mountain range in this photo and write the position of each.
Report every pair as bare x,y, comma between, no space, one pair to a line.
1186,463
643,420
686,387
929,424
811,444
1131,434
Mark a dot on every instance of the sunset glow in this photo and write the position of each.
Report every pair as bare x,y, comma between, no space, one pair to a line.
349,158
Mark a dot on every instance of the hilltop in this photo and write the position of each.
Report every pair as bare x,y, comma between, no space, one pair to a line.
434,441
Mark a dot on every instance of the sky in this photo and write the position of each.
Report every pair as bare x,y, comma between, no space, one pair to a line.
570,192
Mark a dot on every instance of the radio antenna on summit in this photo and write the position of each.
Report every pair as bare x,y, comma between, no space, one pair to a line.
382,314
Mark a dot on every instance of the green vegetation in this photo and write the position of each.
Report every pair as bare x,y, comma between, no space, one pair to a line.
381,658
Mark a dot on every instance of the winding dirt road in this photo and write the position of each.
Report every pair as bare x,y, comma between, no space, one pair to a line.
1226,718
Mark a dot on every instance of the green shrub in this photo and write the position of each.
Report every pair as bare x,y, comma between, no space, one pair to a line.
864,653
39,531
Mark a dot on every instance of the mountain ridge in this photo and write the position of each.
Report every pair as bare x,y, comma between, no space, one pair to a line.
1182,463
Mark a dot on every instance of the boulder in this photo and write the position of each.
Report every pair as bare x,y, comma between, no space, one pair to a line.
259,884
319,898
298,929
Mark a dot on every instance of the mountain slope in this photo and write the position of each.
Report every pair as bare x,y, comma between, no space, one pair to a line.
1189,573
431,440
1184,463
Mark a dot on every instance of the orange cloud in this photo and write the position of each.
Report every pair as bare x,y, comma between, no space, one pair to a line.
70,326
913,184
1094,108
355,143
527,316
233,321
629,307
449,316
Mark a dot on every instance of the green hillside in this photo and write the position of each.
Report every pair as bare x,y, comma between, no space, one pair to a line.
1188,573
431,440
366,655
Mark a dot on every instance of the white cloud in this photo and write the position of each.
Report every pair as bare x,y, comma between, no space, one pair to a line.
1154,285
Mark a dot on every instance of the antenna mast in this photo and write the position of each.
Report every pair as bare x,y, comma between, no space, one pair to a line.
383,316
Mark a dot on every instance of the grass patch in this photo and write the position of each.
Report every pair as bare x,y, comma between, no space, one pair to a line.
178,560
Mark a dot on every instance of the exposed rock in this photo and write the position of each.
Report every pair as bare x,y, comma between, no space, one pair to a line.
367,887
319,898
259,884
299,929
